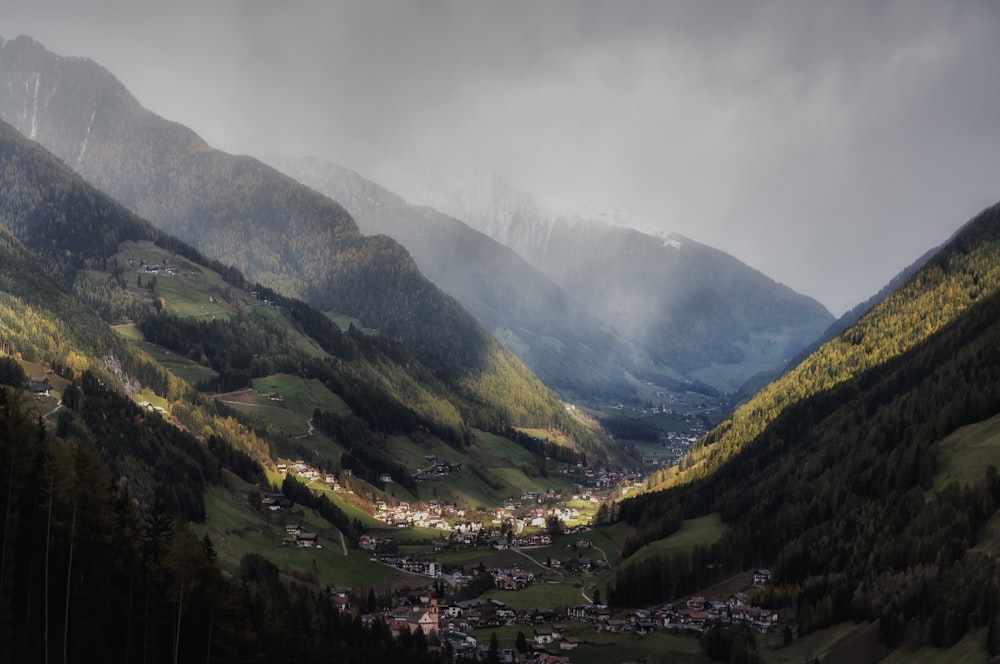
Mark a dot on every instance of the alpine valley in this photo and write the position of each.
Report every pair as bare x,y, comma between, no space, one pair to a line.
265,413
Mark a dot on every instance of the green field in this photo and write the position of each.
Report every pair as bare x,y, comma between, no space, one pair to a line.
967,451
848,643
500,457
186,294
235,529
305,343
300,397
187,370
607,540
970,650
603,647
703,530
553,594
841,644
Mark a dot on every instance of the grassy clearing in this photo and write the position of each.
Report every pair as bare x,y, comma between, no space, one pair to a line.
502,458
187,293
693,532
553,594
841,644
965,453
187,370
970,650
598,648
607,540
345,322
309,346
129,331
602,647
301,396
235,530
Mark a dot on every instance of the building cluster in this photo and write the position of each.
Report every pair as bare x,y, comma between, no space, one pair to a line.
156,268
424,515
302,469
693,616
450,624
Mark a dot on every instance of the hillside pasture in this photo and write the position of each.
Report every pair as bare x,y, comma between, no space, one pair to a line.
236,529
502,459
841,644
603,647
966,452
184,368
704,530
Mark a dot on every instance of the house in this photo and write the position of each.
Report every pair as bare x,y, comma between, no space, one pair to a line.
543,636
549,658
761,577
569,643
618,626
275,501
38,384
301,537
644,626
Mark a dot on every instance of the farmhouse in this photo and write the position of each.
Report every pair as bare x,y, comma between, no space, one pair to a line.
38,384
299,536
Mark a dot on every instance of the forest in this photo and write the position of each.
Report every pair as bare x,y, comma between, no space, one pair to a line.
86,575
836,492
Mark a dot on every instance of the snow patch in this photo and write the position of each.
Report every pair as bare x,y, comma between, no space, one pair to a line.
86,137
670,240
34,109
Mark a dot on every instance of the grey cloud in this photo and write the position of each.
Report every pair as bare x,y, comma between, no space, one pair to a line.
826,144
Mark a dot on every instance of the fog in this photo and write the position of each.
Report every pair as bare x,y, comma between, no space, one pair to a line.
826,144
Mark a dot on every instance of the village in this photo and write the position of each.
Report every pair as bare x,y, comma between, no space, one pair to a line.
453,605
550,635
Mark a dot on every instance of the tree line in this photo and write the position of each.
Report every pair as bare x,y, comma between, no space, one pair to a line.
837,493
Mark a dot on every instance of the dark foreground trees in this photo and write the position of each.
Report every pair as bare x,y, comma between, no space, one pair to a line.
88,575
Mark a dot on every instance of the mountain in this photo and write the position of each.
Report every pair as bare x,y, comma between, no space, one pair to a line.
685,304
136,532
241,212
553,334
848,319
866,477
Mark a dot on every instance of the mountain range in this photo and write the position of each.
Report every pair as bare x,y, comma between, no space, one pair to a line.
864,479
686,304
600,316
671,310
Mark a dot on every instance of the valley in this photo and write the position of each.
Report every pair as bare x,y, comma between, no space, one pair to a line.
246,416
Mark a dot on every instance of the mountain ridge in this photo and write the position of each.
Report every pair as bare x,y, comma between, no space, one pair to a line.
520,221
687,289
242,212
523,309
828,476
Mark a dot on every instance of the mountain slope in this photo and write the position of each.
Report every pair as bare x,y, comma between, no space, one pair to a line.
686,304
555,336
241,212
828,475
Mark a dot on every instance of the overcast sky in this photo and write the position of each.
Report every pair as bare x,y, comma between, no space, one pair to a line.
827,144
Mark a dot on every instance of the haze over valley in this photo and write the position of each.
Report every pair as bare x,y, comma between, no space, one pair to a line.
532,360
